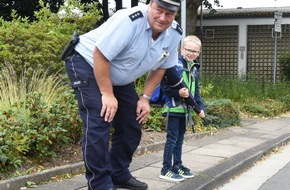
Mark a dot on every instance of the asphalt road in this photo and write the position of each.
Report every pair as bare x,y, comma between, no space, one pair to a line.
273,173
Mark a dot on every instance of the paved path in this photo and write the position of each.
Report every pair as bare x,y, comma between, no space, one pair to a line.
215,158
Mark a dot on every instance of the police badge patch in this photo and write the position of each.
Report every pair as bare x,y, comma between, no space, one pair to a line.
136,15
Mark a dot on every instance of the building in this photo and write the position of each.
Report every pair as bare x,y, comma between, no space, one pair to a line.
242,41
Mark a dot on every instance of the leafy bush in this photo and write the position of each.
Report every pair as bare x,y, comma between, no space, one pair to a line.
12,144
38,116
248,93
38,45
285,66
155,120
64,114
265,108
222,113
44,136
32,129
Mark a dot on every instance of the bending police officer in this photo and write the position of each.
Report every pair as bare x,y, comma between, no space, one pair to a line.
102,69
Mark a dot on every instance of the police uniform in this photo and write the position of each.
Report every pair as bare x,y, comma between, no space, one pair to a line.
125,40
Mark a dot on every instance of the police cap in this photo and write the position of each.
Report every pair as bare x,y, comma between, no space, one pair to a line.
172,5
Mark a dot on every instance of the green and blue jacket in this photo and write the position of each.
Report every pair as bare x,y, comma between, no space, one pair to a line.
174,105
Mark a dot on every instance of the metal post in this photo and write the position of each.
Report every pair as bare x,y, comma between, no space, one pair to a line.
183,17
201,39
275,57
277,28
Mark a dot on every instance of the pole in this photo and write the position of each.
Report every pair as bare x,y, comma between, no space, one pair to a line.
277,28
183,18
275,57
201,39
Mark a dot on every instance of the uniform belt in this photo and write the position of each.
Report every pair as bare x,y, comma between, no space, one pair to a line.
76,53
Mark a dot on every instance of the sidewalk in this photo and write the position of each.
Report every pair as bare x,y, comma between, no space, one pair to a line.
214,157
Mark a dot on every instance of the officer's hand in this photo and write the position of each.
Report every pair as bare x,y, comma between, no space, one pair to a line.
143,110
110,106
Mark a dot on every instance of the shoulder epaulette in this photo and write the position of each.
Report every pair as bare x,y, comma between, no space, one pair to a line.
177,28
136,15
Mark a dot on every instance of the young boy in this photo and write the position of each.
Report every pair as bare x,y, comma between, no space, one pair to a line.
177,112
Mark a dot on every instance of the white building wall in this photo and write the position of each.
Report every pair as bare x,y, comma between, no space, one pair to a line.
242,25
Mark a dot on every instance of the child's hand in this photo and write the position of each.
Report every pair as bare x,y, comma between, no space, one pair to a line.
202,114
183,92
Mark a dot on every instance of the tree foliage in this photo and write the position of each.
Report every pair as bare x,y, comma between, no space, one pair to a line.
192,7
38,44
26,8
285,66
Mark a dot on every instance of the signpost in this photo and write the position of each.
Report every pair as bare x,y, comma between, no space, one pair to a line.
277,28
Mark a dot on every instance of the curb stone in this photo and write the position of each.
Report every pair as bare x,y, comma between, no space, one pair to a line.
45,175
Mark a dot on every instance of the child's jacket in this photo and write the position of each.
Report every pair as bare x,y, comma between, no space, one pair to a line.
174,105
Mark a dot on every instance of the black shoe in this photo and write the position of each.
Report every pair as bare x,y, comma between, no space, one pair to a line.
133,183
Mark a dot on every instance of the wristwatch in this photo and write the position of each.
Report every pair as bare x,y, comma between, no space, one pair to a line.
145,96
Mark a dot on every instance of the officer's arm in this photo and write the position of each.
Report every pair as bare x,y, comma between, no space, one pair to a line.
153,79
143,107
102,75
102,72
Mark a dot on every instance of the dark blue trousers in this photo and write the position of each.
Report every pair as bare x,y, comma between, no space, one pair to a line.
105,166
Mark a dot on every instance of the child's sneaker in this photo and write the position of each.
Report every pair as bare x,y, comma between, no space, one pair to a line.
183,171
171,176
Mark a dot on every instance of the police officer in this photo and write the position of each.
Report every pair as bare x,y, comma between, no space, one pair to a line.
102,70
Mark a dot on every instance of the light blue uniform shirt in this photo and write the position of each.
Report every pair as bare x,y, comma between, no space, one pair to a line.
128,45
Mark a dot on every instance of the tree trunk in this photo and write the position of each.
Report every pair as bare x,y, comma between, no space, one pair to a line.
191,15
119,4
134,3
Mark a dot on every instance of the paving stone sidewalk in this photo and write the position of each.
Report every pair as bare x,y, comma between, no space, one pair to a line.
214,157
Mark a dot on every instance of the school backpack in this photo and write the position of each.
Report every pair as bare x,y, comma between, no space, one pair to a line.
157,98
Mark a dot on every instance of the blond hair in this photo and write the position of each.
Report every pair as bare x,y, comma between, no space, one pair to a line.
191,38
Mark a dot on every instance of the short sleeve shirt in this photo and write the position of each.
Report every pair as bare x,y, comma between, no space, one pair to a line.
125,40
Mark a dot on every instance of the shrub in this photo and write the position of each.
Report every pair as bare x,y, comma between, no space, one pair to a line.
38,45
248,93
264,108
14,89
38,116
64,114
155,120
285,66
221,113
13,145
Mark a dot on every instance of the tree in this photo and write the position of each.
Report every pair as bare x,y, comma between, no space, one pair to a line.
192,7
134,3
26,8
